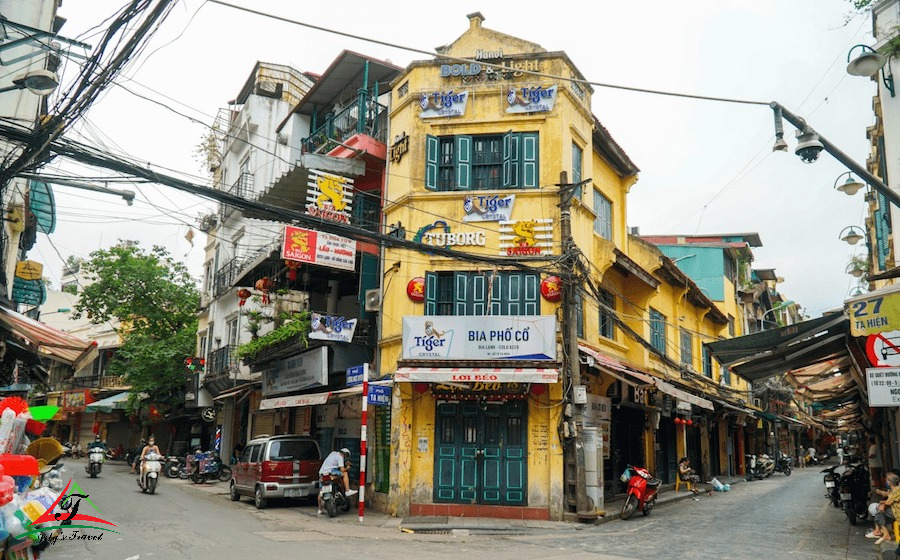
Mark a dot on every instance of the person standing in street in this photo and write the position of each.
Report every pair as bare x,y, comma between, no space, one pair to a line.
876,465
840,454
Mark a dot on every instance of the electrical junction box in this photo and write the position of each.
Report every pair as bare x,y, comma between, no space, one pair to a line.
579,394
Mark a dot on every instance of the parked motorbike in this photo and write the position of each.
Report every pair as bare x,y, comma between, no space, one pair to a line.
208,466
333,493
149,474
783,464
756,467
831,478
96,455
854,491
173,466
642,492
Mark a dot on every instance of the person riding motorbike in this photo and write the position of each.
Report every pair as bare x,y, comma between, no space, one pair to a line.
151,447
98,443
337,463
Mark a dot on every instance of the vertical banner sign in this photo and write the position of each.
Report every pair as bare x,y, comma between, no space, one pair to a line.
362,442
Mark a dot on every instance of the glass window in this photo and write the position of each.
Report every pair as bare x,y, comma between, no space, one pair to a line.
293,450
245,455
658,331
254,453
687,348
603,221
232,328
577,157
707,363
726,375
446,165
607,309
487,162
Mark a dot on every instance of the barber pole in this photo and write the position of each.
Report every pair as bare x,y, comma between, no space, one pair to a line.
362,443
218,439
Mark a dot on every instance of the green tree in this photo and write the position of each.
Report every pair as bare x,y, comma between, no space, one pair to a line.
155,299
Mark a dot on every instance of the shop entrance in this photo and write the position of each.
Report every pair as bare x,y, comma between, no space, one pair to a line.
480,453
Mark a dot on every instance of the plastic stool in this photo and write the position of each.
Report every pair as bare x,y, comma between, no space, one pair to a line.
678,483
896,530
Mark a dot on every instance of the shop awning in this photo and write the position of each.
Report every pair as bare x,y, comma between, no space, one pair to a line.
623,372
475,374
292,401
773,352
236,391
46,341
115,402
681,395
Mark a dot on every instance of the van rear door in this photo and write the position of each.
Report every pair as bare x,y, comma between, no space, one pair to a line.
292,461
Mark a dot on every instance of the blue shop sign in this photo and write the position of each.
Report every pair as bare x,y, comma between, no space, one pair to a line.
379,395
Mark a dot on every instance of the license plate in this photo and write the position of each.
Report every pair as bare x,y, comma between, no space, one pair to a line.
844,496
326,488
293,494
829,484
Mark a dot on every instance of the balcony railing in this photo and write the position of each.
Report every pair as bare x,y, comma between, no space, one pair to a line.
243,188
221,361
225,277
342,126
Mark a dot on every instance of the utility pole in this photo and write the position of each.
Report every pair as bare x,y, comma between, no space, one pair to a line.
575,463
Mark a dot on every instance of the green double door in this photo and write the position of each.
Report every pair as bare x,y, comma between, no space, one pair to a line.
480,453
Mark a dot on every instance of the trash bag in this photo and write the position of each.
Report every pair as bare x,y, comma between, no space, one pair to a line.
626,476
717,486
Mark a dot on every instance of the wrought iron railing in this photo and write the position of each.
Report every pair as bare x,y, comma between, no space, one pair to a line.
225,277
220,361
363,116
243,188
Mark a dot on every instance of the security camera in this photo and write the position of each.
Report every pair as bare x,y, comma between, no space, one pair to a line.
808,146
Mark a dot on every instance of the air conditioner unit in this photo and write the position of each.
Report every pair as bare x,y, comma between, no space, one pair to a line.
373,299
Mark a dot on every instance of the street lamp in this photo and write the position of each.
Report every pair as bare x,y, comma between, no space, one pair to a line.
852,236
869,63
784,305
38,82
849,187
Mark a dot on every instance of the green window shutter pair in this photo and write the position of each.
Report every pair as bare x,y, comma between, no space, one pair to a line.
510,293
520,161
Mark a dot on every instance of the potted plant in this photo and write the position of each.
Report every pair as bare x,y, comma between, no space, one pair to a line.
858,266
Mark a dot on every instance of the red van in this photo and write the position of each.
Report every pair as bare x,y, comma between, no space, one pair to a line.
277,467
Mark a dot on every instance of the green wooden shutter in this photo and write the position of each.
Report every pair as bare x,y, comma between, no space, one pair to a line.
479,294
463,162
511,160
461,294
432,157
431,293
530,298
529,159
497,286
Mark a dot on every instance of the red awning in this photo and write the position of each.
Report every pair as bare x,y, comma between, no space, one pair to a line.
45,341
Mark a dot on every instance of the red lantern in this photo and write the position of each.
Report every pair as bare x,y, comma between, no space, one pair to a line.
551,288
690,422
243,294
538,389
415,289
678,420
292,269
264,284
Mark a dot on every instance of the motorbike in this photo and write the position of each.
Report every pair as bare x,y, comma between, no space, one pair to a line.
759,466
149,474
173,466
854,492
208,466
783,464
96,455
832,476
333,493
642,492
